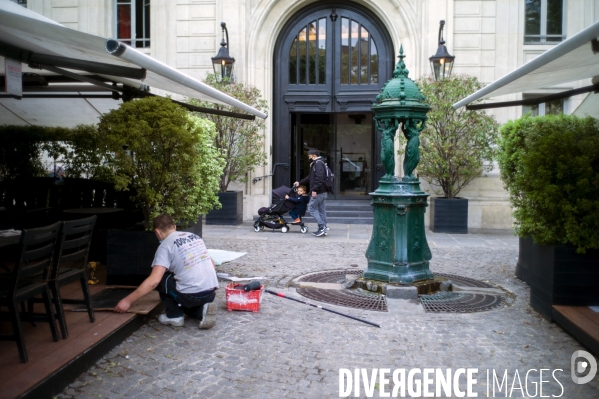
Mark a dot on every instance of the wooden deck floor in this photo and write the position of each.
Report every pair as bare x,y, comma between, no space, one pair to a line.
49,361
581,322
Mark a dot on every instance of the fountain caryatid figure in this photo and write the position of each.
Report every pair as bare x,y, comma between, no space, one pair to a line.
387,147
411,129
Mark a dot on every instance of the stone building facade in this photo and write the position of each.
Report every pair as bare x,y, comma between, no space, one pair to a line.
320,64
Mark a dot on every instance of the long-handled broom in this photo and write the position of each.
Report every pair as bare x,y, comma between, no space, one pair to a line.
321,307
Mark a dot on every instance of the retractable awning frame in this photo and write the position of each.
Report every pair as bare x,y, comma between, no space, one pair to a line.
42,43
574,59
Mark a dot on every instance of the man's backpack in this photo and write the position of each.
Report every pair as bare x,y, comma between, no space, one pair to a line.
329,180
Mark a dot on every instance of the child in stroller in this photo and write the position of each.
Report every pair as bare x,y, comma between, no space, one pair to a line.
301,204
272,217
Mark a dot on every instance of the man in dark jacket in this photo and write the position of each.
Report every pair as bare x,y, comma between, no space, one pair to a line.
318,191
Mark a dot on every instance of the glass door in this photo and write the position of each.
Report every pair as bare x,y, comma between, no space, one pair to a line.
345,144
353,155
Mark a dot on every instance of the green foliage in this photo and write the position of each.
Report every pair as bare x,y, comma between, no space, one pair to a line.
240,141
168,157
456,146
21,150
79,151
550,165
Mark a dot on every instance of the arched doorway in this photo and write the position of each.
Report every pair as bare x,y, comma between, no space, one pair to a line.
331,60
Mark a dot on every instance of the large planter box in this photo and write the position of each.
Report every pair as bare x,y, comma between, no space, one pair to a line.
231,213
449,215
557,275
129,254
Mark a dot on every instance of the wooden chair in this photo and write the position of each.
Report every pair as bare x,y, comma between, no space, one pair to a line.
28,279
69,265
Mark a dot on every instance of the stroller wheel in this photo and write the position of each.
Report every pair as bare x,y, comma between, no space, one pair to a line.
284,229
304,229
261,228
257,228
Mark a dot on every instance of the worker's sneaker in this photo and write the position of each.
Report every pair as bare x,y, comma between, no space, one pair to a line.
298,220
208,316
175,321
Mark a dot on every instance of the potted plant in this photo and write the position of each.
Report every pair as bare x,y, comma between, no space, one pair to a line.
167,157
241,143
457,146
550,165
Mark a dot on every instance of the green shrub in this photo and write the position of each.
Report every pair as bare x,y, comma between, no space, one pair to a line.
241,141
456,145
77,149
550,165
166,155
21,150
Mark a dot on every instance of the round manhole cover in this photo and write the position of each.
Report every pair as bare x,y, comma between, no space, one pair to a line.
347,298
334,276
440,302
342,297
460,302
463,281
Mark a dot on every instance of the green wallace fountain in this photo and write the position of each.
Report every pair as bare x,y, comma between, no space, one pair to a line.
398,251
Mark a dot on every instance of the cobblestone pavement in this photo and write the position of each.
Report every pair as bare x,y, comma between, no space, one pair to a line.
290,350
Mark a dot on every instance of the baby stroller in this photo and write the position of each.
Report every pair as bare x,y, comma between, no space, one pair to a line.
272,217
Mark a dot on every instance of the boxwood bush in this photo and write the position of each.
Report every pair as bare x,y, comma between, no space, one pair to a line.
550,165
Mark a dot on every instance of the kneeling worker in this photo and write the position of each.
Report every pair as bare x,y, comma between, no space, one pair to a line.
184,275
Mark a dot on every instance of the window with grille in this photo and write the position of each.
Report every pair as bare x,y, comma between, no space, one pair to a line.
359,60
544,21
133,22
307,57
356,56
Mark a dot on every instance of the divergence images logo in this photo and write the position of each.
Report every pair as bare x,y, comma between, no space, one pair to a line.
580,363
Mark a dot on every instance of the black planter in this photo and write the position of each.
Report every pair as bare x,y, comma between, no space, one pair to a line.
231,213
129,256
449,215
557,275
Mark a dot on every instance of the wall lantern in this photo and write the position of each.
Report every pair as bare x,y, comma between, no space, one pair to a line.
223,62
442,62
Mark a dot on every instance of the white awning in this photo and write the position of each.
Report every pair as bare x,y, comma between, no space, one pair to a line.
28,31
571,60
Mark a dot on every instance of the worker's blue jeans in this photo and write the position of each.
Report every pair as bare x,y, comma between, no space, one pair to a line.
177,303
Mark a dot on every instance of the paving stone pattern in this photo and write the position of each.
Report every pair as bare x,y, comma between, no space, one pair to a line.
291,350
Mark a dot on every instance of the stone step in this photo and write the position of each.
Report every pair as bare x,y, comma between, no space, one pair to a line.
344,212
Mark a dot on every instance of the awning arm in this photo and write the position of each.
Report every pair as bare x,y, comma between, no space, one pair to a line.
129,54
133,92
536,100
81,78
581,38
35,59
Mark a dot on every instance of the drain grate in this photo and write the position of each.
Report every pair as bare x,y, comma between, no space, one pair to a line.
347,298
440,302
335,276
454,302
464,281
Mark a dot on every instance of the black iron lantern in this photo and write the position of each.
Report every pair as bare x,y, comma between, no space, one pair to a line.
223,62
442,62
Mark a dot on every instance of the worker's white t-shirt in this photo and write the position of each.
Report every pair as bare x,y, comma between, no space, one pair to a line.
185,255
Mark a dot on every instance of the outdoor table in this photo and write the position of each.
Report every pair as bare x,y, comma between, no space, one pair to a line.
8,238
107,217
93,211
